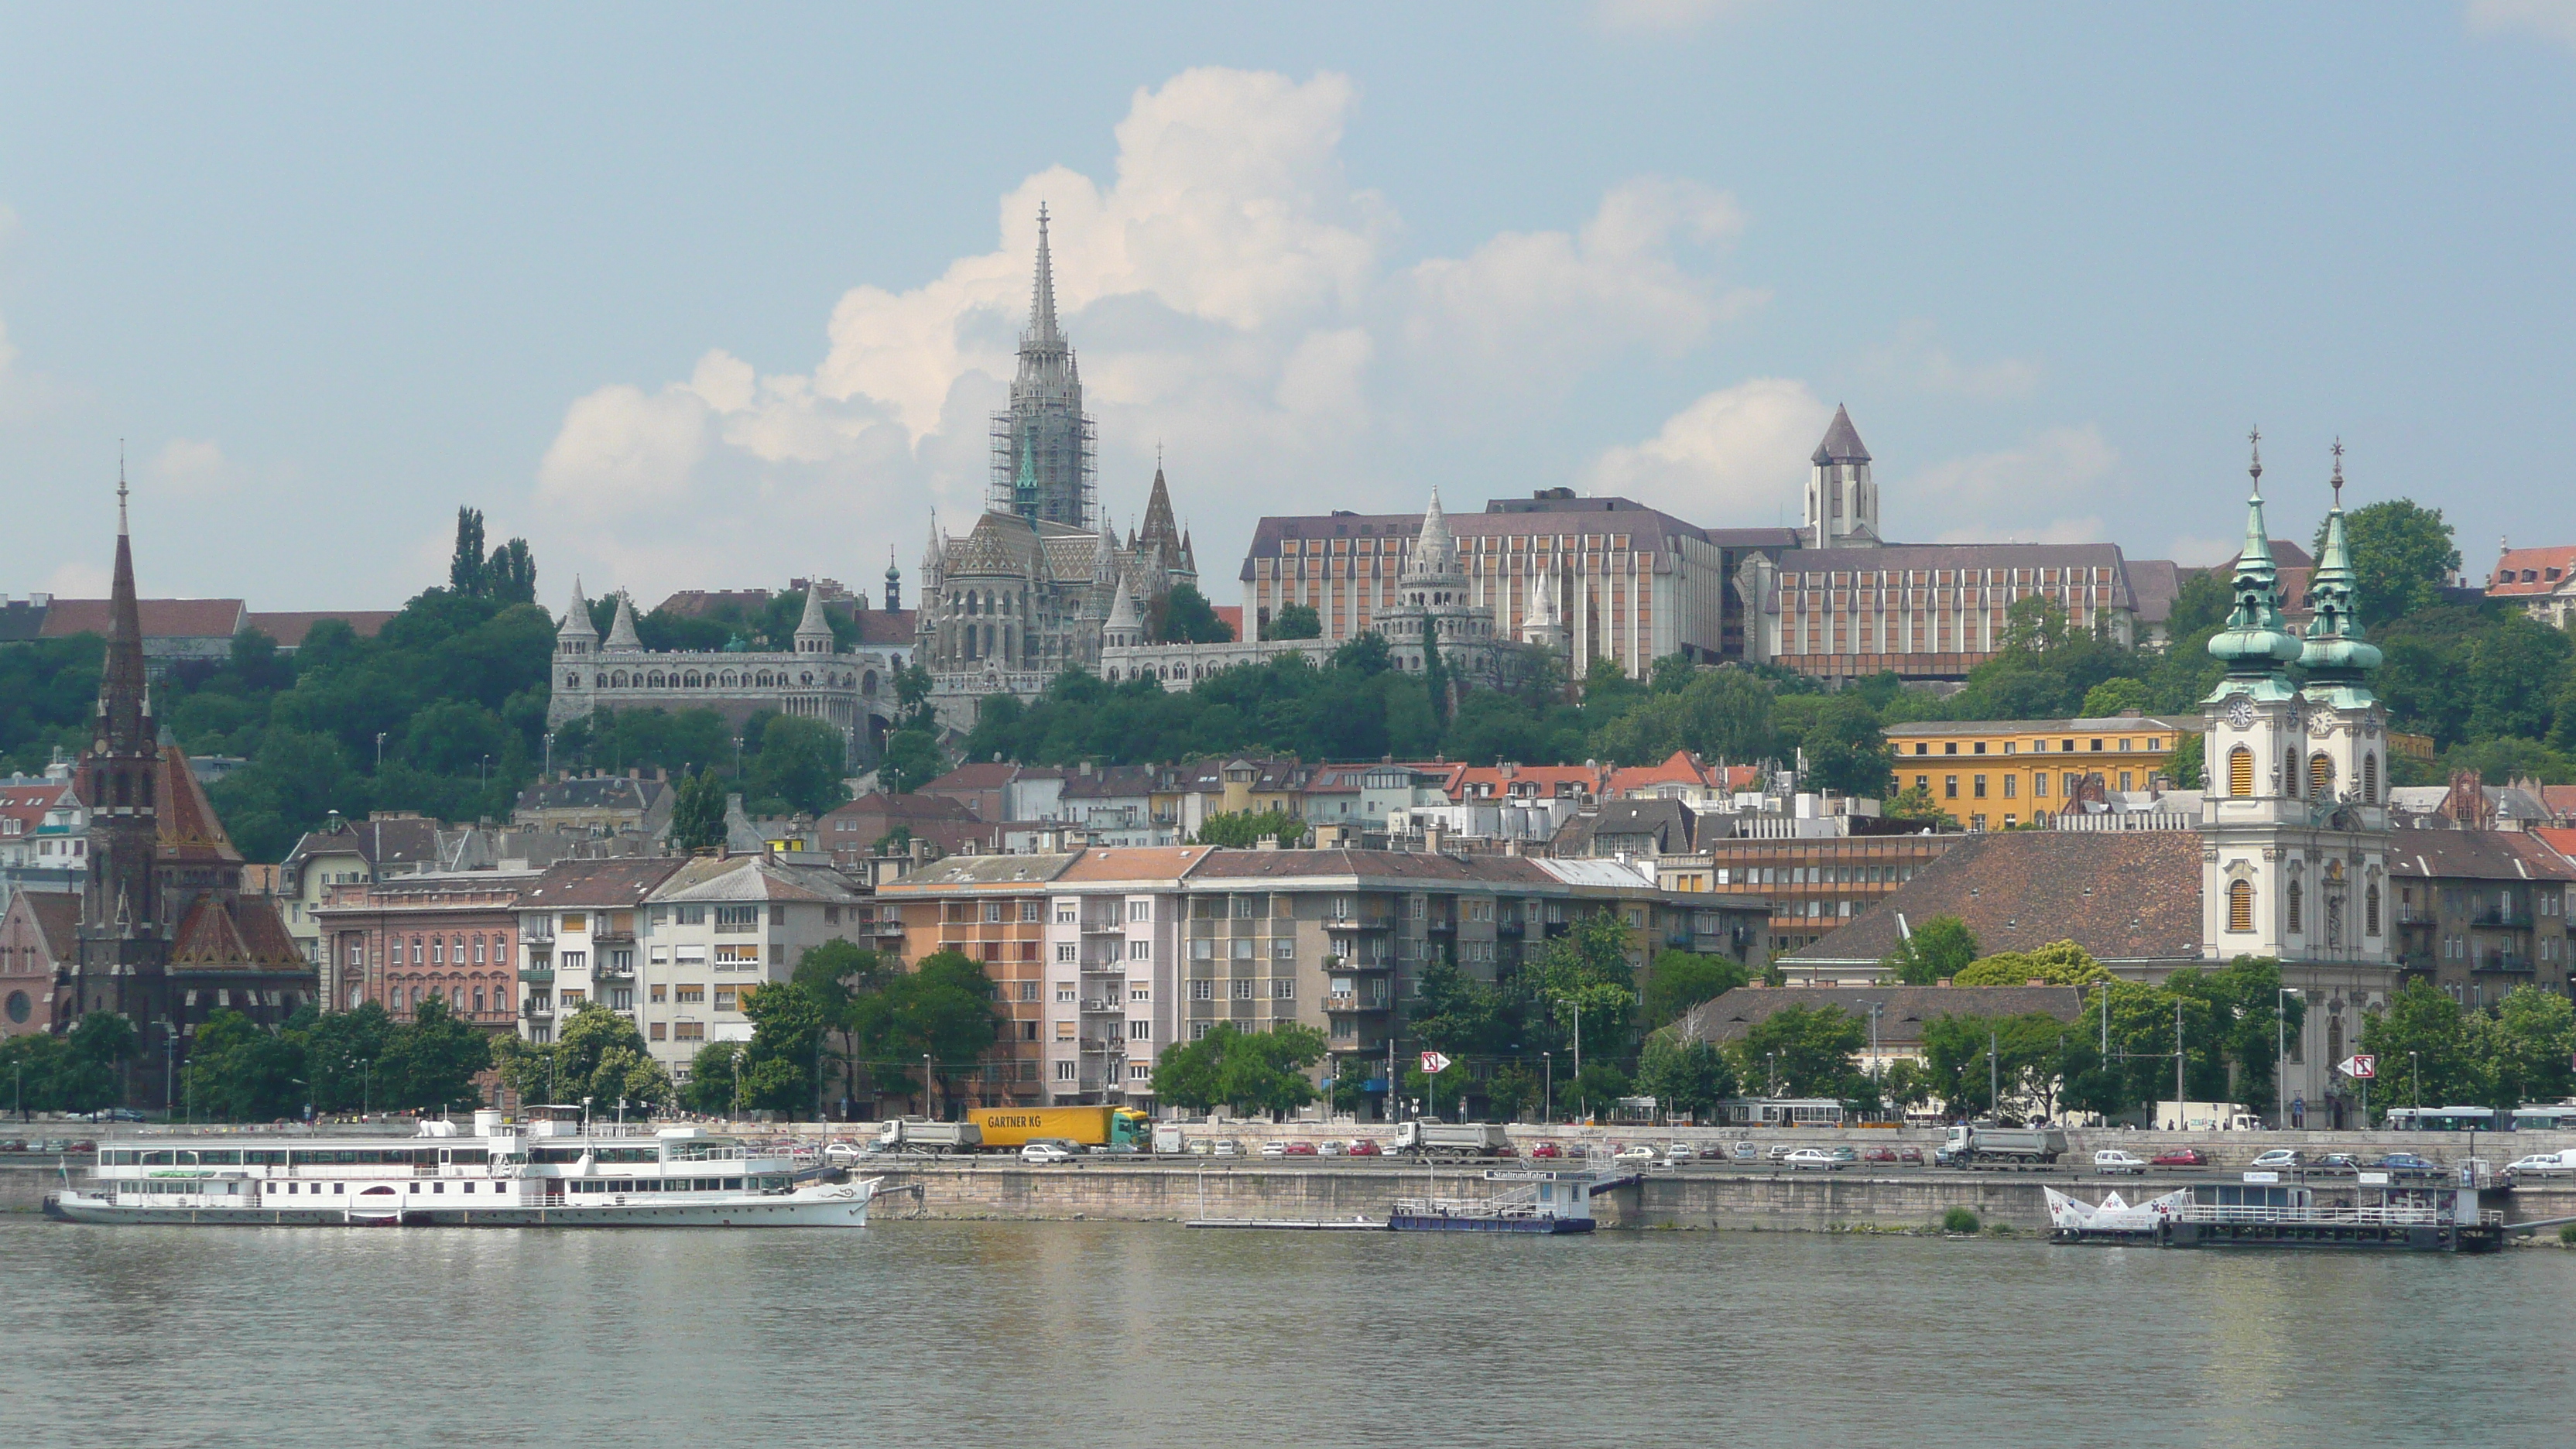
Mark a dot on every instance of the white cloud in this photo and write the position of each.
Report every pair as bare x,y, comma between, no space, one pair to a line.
79,581
190,465
2018,493
2192,551
1230,294
1917,359
1665,17
1736,453
2552,20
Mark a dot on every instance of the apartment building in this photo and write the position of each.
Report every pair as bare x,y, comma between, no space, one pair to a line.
399,940
1993,774
2479,912
1104,957
711,931
577,937
1812,886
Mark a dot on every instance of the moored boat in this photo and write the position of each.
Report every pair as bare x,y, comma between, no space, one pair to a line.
2423,1212
1522,1202
559,1170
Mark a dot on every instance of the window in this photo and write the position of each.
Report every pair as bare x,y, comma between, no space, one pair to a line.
1065,993
2321,774
1202,991
737,918
1981,747
2370,910
1140,910
2240,905
993,912
2126,776
1067,952
1028,990
1140,991
1140,1031
2240,772
1067,1071
2297,899
1283,949
1064,1030
1140,950
1950,787
1950,748
1243,989
2290,773
2039,785
1140,1071
1923,783
575,921
2370,779
688,995
1980,787
657,1031
725,996
1067,913
1199,1029
1283,988
1032,911
660,993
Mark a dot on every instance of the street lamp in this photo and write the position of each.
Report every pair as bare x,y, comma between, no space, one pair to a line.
367,1086
380,752
1775,1072
925,1086
1547,1108
2415,1069
2280,1056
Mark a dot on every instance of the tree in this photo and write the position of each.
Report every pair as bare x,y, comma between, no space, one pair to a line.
2422,1041
911,760
1260,1071
2112,696
465,564
2024,1063
431,1061
1599,1084
1244,829
2059,963
712,1084
782,1072
1511,1090
91,1075
799,763
1186,617
2402,556
239,1071
1845,750
1801,1051
1939,947
1683,979
343,1056
2527,1046
1295,621
834,974
912,686
1684,1076
510,574
1915,802
943,1008
1584,975
698,812
597,1054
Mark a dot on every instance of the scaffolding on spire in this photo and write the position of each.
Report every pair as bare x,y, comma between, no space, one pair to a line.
1044,431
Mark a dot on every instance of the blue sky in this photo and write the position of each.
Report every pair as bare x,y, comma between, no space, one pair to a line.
690,297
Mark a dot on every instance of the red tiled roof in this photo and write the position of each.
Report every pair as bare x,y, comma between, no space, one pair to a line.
1232,615
57,918
189,829
886,627
242,935
2121,895
2530,571
29,804
2480,855
289,628
1683,768
162,618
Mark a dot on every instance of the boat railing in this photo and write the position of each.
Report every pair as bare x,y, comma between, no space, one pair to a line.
2415,1217
1468,1207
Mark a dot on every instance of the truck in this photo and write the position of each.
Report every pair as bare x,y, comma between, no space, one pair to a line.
917,1134
1464,1139
2206,1117
1011,1128
1976,1142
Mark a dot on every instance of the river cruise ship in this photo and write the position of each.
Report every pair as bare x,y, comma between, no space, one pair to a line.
2435,1211
556,1170
1519,1201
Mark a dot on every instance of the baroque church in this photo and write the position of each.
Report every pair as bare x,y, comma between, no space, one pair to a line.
168,936
1030,590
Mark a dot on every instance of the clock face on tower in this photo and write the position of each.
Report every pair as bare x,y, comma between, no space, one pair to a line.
2240,713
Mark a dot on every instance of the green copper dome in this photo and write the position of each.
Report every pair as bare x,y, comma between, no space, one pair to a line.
2336,654
2257,640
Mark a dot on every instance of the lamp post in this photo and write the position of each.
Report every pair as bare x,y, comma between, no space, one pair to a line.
2280,1057
926,1095
380,752
2415,1070
1547,1108
1775,1072
367,1086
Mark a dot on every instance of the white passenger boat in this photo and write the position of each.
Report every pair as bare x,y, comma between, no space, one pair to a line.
556,1171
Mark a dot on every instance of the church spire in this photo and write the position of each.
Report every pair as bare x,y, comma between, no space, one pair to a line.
2257,640
2336,654
1042,291
621,630
1024,492
124,693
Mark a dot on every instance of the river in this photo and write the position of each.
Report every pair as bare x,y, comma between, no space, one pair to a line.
1044,1334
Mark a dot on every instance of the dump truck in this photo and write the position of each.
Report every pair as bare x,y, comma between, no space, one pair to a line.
1011,1128
1978,1142
1465,1139
916,1134
2206,1117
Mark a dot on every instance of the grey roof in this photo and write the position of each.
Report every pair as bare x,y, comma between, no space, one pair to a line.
2110,724
970,871
2154,584
1902,1009
578,883
592,792
2122,895
756,878
1842,441
1648,528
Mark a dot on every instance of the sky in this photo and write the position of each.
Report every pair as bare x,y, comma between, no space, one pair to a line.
716,296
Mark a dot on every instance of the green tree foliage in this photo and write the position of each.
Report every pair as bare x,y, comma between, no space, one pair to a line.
1184,616
97,1051
1244,829
698,813
1938,947
2402,555
47,689
239,1071
431,1061
2112,696
799,766
344,1053
507,574
1583,975
1262,1071
1295,621
911,760
2059,963
782,1072
2026,1065
1681,980
1845,750
714,1087
1915,803
1685,1076
596,1054
1804,1051
1593,1090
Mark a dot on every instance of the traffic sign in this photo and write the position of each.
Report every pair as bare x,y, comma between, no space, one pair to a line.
2363,1067
1433,1064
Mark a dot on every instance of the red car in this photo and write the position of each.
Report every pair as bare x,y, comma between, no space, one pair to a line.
1301,1149
1546,1149
2179,1157
1365,1148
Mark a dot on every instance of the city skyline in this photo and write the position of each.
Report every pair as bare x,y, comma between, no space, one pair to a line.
759,329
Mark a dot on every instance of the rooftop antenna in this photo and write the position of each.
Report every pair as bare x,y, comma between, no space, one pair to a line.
2338,474
2255,438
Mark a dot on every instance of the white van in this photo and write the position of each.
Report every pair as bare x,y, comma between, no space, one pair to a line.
2545,1164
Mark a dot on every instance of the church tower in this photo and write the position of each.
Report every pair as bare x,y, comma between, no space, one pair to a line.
1043,467
122,935
1842,504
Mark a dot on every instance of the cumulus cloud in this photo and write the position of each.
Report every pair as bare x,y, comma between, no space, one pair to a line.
1735,453
190,465
2552,20
2013,493
1230,293
79,581
1916,358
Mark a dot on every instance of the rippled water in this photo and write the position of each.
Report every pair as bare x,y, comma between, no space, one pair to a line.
1035,1334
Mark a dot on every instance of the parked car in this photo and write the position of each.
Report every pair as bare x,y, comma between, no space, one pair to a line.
1816,1157
1910,1155
2404,1162
1780,1152
2336,1162
1330,1147
1546,1149
2279,1159
1274,1149
2114,1159
113,1114
1226,1147
1843,1154
2543,1164
1045,1152
1366,1147
1745,1152
842,1154
1677,1157
1636,1153
2181,1157
1302,1149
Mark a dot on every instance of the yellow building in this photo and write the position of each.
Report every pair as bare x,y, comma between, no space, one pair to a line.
1993,774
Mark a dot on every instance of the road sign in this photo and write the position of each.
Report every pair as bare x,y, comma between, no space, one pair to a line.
2362,1067
1433,1064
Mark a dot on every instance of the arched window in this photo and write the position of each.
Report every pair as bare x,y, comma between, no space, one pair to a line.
2240,905
2321,776
2370,910
572,681
2298,898
2370,779
2290,773
599,681
2240,772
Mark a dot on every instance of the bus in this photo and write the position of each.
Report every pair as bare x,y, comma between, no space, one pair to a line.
1781,1112
2550,1117
2441,1119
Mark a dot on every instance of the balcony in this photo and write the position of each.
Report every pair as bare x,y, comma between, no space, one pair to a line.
1109,1004
883,926
1104,927
537,975
536,1011
1510,930
2504,961
1352,1001
614,970
1364,921
1444,926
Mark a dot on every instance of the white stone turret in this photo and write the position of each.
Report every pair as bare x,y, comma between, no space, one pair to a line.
1842,504
1539,623
577,635
1126,627
621,633
814,632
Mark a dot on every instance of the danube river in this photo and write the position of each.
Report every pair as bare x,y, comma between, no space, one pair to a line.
1042,1334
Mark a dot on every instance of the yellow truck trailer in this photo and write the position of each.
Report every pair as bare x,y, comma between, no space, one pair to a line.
1015,1127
